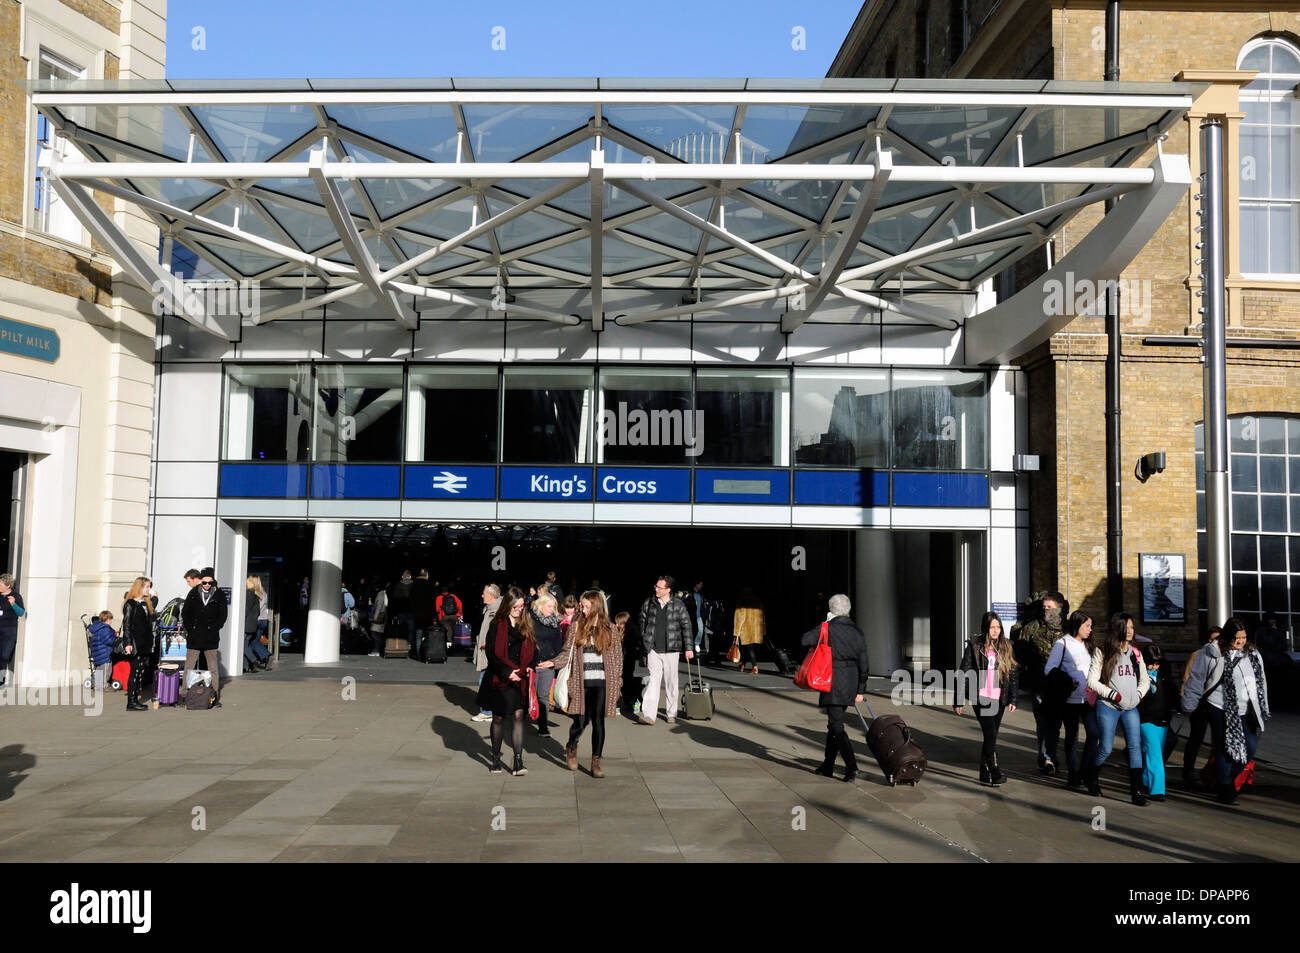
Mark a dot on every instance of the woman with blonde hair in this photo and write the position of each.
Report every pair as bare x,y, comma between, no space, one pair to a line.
989,655
137,638
254,604
593,653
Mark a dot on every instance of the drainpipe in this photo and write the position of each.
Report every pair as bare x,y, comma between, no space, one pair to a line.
1114,470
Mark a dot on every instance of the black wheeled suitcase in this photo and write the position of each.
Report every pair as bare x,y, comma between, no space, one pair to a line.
434,647
782,660
900,758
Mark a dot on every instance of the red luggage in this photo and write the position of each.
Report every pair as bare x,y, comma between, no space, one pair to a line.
121,674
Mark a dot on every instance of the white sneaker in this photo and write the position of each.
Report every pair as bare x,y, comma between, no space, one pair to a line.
482,716
373,655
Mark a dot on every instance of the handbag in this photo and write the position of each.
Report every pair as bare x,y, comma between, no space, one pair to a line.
733,653
120,644
1058,684
815,672
533,710
560,687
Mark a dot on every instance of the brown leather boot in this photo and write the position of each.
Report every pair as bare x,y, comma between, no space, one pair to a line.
595,768
571,757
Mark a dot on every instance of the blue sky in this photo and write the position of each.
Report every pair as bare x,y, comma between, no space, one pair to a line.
387,38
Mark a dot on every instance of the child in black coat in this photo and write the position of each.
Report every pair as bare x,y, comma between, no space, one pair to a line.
1153,710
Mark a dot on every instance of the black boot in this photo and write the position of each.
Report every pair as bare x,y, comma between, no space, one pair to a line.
1227,794
846,752
986,776
827,769
518,770
1074,781
1136,791
133,688
995,773
496,767
1090,779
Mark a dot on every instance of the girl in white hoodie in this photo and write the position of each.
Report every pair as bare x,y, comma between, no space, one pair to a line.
1119,679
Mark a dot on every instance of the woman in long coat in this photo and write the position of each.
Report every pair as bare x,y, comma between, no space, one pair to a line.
137,634
511,648
594,656
848,682
749,627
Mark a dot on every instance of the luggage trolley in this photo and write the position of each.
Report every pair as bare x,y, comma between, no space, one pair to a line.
171,643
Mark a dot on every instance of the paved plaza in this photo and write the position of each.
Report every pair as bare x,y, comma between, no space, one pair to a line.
378,760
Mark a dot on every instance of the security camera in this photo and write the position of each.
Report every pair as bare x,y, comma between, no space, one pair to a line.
1148,464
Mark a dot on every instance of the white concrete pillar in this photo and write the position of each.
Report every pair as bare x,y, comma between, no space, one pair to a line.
875,604
326,578
232,571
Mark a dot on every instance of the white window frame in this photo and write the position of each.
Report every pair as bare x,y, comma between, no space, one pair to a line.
44,202
1262,96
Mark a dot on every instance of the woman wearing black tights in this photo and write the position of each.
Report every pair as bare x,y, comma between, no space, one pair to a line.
510,655
593,655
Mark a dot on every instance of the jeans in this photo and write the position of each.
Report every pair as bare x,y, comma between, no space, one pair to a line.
545,679
1153,758
1198,721
1107,720
1069,716
1226,767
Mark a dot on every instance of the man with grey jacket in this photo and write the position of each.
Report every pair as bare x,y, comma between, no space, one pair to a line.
491,602
665,632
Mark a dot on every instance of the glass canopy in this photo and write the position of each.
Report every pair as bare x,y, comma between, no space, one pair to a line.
390,186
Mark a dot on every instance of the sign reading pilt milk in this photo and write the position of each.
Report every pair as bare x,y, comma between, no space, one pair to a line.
28,340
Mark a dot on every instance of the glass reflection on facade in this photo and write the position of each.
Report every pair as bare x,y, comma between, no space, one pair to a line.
841,418
548,415
268,413
645,417
746,416
451,415
358,414
940,420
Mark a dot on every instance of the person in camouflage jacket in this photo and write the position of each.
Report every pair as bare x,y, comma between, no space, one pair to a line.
1033,640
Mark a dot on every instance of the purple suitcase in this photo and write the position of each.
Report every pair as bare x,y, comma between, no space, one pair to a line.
167,685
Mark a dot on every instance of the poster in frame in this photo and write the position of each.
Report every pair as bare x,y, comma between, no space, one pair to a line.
1164,599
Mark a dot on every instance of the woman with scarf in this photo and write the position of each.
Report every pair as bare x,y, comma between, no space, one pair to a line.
989,655
594,656
137,636
546,629
511,648
1236,705
1120,680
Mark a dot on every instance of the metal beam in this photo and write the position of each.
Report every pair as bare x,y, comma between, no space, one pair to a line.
597,239
153,277
868,199
367,270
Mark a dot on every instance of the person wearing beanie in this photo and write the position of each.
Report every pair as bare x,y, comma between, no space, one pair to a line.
203,615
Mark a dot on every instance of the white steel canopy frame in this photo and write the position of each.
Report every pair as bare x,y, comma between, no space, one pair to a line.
729,192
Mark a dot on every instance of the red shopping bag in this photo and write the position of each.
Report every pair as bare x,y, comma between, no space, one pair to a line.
815,672
533,709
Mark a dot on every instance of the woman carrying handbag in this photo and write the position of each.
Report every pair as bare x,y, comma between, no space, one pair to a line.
989,655
592,675
848,651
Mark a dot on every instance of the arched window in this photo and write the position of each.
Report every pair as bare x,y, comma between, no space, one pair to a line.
1270,159
1264,515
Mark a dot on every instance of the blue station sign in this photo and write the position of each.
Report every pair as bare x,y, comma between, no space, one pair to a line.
438,482
572,484
633,485
29,340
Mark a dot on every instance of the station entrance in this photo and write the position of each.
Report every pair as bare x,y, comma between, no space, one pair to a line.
914,591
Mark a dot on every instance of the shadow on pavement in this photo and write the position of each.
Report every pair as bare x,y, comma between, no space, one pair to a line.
458,736
462,696
13,764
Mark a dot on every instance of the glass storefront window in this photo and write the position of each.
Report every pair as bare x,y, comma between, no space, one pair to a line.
548,415
940,420
268,413
358,414
746,416
451,415
841,418
645,417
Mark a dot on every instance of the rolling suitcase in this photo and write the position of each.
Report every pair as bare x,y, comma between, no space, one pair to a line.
463,635
396,648
782,660
900,758
120,675
699,696
434,648
167,684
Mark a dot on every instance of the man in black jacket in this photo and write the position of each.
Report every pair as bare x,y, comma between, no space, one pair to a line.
203,615
665,632
848,682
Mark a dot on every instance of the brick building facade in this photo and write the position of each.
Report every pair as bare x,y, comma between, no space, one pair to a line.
76,422
1211,43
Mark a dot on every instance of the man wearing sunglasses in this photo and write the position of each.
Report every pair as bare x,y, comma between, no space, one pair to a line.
203,615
